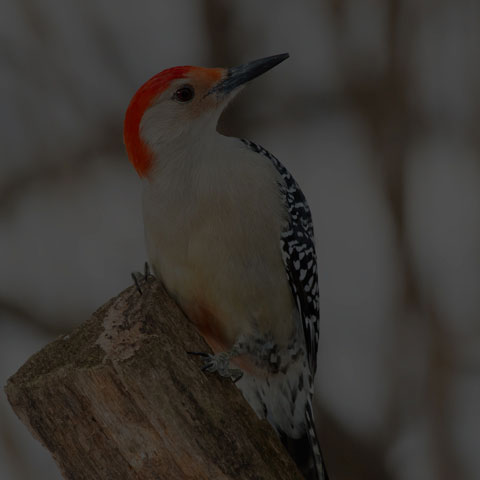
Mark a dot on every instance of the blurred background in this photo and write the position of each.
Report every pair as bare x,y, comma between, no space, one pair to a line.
377,115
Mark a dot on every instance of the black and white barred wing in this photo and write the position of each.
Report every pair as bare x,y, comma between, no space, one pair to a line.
298,251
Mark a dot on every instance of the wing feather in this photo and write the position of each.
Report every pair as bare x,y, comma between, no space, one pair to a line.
298,251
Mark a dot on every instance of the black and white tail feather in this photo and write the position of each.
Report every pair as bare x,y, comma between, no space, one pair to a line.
299,257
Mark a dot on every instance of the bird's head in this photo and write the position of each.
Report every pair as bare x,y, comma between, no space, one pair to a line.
180,104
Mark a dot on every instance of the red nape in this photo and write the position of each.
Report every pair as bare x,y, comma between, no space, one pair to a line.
138,152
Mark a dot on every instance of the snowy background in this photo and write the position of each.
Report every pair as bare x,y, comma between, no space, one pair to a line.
376,113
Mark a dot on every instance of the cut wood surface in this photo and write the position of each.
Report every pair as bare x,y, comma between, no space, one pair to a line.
120,398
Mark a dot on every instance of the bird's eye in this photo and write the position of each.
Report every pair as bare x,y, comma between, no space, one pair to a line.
184,94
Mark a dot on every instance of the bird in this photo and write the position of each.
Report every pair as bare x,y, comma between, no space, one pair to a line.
229,233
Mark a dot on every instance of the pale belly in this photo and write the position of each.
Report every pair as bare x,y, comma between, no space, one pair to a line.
228,277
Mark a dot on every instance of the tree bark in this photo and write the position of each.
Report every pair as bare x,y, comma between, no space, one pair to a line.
120,398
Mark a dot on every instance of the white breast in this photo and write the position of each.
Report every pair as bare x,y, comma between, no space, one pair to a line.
213,220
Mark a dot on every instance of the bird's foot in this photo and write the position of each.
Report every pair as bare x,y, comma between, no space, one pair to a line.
219,363
138,277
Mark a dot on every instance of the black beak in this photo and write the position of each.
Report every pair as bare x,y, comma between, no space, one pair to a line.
237,76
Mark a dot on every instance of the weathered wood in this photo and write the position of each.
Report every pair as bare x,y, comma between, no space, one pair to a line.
120,398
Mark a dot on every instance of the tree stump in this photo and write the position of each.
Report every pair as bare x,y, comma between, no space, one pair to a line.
120,398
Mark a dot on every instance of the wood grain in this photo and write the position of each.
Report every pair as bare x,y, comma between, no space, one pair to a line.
119,398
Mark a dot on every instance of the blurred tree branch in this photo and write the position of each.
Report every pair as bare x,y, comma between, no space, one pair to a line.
107,144
51,326
384,103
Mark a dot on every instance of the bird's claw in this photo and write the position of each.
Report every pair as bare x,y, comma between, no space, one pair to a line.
138,277
219,363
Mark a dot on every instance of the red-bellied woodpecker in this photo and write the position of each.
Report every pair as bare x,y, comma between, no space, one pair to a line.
230,234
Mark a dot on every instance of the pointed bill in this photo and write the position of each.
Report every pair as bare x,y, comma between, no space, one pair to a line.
237,76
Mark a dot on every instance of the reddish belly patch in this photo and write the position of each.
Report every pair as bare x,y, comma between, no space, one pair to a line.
209,327
213,332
